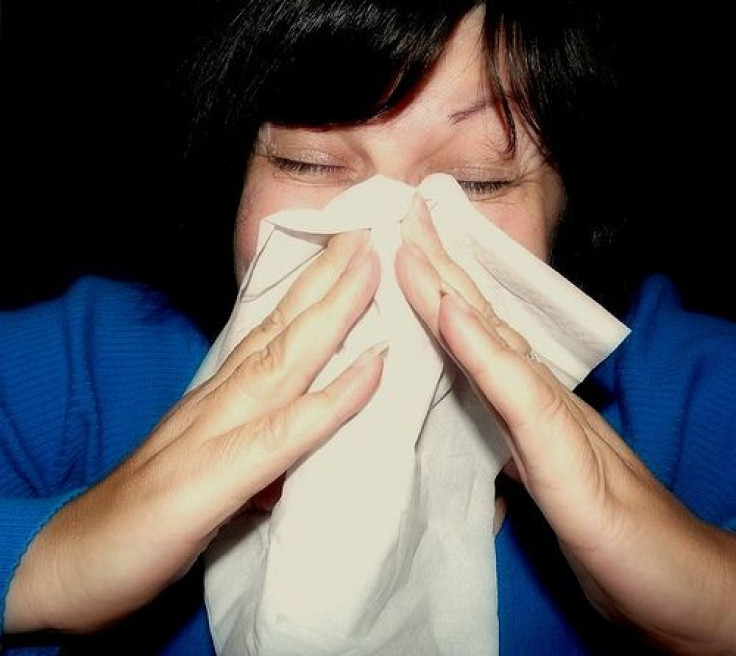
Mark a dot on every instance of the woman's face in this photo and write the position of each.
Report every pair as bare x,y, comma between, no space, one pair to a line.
451,126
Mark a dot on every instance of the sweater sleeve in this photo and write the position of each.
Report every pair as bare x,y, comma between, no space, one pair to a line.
83,379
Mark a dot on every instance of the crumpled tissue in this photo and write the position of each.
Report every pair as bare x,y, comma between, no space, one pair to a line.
382,541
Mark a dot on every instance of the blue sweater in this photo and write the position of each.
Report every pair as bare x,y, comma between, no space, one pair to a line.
85,377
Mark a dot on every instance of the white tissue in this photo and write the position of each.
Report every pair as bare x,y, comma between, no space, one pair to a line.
382,542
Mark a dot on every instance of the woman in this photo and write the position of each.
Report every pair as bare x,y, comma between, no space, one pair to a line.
501,97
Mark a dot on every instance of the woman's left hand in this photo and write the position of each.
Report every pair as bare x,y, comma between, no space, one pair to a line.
638,553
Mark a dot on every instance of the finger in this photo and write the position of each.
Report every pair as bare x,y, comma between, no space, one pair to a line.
532,403
225,401
418,230
421,284
565,453
424,286
286,367
253,456
311,286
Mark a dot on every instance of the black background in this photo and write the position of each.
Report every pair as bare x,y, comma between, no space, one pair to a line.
91,181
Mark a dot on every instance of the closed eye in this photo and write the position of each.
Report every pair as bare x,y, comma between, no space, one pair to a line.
475,189
483,189
303,168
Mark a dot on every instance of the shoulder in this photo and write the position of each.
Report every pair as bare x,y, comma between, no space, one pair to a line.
666,340
658,319
96,321
674,396
85,376
100,302
106,302
140,350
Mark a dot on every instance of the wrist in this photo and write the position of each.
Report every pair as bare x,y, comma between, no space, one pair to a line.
21,523
668,574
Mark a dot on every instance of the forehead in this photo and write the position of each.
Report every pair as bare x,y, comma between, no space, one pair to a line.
458,80
456,90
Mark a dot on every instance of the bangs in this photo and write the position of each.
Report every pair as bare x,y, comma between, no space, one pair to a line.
321,62
356,64
548,60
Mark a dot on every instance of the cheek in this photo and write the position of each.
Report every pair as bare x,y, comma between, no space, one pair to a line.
244,247
524,229
246,231
529,215
528,226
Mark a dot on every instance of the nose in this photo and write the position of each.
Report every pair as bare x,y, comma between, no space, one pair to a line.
390,153
402,174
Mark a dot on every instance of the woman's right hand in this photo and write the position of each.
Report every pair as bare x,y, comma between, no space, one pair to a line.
115,547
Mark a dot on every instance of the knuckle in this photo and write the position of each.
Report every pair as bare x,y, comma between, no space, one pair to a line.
239,376
446,267
516,341
552,408
511,338
264,363
268,359
322,265
490,315
274,322
502,329
325,404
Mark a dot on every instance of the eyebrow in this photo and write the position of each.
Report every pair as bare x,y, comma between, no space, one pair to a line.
462,114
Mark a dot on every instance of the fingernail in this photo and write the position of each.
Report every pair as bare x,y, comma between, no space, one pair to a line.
419,209
417,201
415,208
377,349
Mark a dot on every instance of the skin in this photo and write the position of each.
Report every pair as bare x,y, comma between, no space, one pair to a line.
639,555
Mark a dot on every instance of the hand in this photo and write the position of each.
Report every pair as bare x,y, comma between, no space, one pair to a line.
117,546
638,553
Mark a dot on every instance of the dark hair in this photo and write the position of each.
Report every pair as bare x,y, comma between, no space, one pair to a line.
559,64
308,62
336,62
